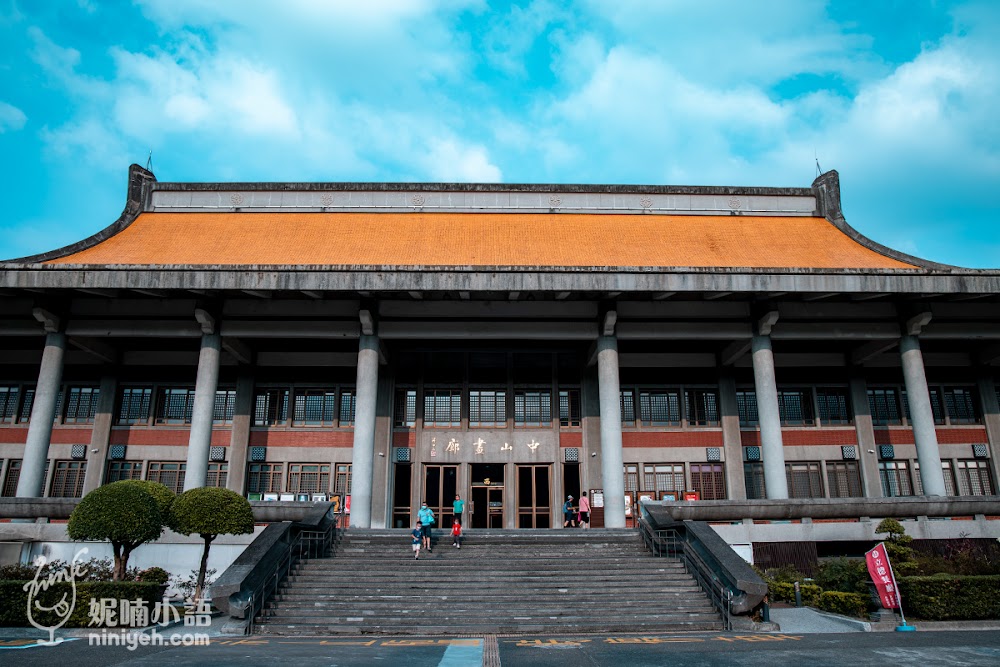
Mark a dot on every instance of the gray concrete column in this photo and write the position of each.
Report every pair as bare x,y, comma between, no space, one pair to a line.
769,417
239,438
100,436
200,439
991,419
729,417
921,416
43,412
867,449
364,433
612,476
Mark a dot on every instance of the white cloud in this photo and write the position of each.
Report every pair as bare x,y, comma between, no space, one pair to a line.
449,160
11,118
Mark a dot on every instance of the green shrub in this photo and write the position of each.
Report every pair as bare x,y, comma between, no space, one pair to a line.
14,600
95,569
780,591
951,597
843,575
848,604
154,575
783,573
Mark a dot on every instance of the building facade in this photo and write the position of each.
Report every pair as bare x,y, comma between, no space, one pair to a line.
513,344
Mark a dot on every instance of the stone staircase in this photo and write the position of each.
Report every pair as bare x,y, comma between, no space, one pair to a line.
551,581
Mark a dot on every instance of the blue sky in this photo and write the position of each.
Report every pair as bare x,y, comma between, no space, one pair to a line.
900,96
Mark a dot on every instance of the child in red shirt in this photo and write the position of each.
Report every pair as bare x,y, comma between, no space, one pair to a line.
456,535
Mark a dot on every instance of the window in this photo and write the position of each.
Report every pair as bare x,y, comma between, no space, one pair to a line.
348,407
169,473
121,470
702,407
442,408
843,478
709,480
315,407
746,404
974,478
14,476
264,478
569,408
406,408
217,475
946,472
270,407
627,397
487,408
82,405
753,477
663,477
660,408
937,410
308,478
29,401
174,405
805,480
631,478
225,406
895,476
960,402
833,406
9,397
795,407
67,480
884,407
532,408
342,479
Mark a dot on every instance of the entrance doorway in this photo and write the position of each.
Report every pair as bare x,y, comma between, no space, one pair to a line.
401,516
533,497
487,495
440,487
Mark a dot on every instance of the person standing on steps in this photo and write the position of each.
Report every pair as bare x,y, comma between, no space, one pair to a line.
568,519
456,534
418,538
584,511
458,507
426,517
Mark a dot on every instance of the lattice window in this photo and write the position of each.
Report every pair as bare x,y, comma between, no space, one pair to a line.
883,403
753,477
795,407
974,478
308,478
11,479
10,395
937,409
487,408
960,403
946,472
29,402
834,406
122,470
663,477
217,475
67,479
174,405
342,479
660,407
627,398
532,408
348,406
270,407
569,408
315,408
225,406
406,408
843,478
264,478
702,407
805,479
709,480
896,480
442,408
631,471
81,405
169,473
746,405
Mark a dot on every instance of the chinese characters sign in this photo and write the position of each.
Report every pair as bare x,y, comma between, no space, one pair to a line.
881,573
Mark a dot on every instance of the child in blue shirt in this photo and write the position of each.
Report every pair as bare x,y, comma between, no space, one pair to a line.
417,535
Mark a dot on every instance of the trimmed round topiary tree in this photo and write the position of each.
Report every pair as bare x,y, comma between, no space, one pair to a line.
163,496
210,512
122,513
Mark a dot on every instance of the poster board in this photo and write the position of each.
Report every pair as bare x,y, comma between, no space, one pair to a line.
692,495
668,496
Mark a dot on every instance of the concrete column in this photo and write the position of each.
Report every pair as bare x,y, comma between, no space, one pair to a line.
867,449
611,432
729,417
766,390
239,438
200,439
991,419
100,436
921,416
43,412
364,433
381,511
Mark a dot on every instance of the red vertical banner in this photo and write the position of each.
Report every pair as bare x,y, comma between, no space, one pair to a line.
881,574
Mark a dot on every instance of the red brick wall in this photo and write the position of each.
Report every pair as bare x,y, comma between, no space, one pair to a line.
60,436
302,438
806,437
571,439
404,439
672,439
161,436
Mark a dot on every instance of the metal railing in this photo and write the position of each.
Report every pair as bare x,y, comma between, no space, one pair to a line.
307,544
672,544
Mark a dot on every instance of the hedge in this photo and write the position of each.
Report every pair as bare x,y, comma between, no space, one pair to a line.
784,592
14,600
847,604
951,597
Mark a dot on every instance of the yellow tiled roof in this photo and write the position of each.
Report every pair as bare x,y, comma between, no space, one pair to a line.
481,239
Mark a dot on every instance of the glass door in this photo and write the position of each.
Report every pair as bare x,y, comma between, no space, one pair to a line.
533,497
